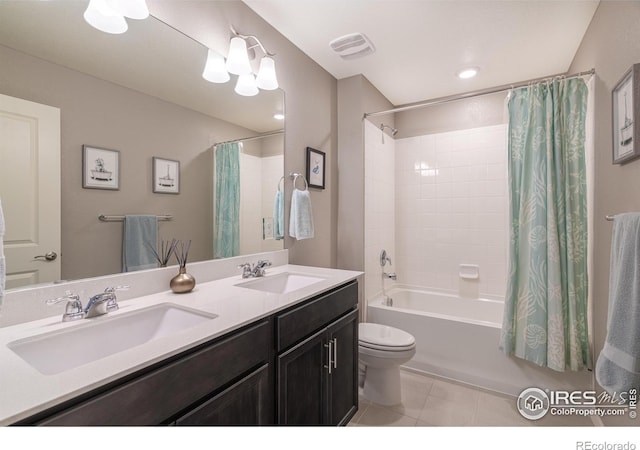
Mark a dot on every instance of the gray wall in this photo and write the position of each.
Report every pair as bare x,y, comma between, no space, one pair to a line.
356,96
103,114
481,111
611,45
311,108
310,102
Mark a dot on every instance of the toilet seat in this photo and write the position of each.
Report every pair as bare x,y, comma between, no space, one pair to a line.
385,338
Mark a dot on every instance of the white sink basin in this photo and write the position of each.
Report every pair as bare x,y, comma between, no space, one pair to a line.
281,283
91,340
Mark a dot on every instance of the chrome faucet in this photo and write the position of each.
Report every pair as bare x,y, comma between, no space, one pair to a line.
73,310
255,271
98,305
103,303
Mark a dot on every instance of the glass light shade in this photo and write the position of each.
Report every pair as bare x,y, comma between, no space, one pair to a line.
133,9
101,16
238,59
266,78
215,69
246,85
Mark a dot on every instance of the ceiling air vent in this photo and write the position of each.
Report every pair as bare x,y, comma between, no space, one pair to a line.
352,46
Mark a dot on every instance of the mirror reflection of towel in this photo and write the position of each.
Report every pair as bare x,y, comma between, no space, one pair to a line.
301,217
278,216
140,232
3,270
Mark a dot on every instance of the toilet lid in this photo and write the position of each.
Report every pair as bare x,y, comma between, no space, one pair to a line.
377,335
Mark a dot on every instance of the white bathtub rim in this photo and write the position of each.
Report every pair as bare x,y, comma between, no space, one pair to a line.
377,302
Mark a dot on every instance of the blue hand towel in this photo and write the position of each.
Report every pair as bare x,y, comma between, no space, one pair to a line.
140,232
301,217
618,366
278,216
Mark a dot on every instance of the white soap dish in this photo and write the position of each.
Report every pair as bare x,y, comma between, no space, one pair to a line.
469,271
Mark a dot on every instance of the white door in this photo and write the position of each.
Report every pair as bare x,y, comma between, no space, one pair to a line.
30,190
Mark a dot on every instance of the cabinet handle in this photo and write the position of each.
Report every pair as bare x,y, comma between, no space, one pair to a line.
335,353
329,355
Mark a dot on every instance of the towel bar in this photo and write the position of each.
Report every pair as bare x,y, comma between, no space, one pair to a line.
105,218
609,218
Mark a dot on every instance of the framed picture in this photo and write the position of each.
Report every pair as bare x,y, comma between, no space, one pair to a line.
315,168
100,168
626,132
166,176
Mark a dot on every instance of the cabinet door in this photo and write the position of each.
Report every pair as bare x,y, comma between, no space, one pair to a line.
302,373
247,402
343,381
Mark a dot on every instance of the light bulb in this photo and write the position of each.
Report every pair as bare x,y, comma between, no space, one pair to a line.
238,59
133,9
266,78
101,16
215,69
246,85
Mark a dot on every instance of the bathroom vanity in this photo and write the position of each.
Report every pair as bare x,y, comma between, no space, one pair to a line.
260,357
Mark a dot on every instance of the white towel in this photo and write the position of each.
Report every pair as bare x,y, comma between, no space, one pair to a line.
618,366
3,268
301,217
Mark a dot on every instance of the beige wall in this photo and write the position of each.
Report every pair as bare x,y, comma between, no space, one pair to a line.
611,45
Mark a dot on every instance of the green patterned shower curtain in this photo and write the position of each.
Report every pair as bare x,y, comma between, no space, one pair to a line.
226,227
545,315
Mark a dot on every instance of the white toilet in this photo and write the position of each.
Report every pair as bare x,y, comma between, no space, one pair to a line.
382,349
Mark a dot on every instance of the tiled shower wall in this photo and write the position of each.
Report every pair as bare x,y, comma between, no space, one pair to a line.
379,207
451,208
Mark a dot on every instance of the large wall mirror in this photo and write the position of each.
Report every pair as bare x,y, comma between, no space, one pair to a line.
140,93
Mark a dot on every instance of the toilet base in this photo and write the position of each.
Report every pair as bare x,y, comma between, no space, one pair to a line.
382,385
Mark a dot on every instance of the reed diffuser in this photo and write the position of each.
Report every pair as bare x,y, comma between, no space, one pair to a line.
183,282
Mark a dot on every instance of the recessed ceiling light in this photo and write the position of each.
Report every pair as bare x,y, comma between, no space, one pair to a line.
469,72
278,116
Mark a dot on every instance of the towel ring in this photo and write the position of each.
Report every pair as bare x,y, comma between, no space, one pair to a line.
294,177
280,182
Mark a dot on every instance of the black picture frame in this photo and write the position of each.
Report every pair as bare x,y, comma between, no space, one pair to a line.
166,176
625,104
100,168
316,164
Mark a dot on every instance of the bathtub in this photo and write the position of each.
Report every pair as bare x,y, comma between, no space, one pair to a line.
457,338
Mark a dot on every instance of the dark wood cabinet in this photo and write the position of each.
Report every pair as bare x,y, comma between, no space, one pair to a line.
317,376
247,402
296,367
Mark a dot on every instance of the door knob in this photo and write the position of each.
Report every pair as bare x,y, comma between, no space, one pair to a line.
49,256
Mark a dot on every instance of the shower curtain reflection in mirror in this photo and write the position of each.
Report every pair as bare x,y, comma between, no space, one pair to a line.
226,224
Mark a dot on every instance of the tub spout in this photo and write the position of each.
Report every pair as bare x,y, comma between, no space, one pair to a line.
391,276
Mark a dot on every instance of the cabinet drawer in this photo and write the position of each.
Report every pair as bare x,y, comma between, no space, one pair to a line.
157,396
296,324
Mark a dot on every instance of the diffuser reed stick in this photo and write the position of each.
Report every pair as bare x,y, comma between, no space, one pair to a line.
166,249
183,253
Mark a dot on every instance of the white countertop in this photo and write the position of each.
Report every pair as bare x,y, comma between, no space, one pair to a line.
24,391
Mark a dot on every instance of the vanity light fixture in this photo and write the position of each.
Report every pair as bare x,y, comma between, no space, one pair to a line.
241,51
109,15
215,69
467,73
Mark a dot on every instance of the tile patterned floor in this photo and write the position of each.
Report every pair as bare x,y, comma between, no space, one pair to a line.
430,401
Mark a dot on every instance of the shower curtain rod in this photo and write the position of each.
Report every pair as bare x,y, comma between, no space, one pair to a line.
251,138
493,90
